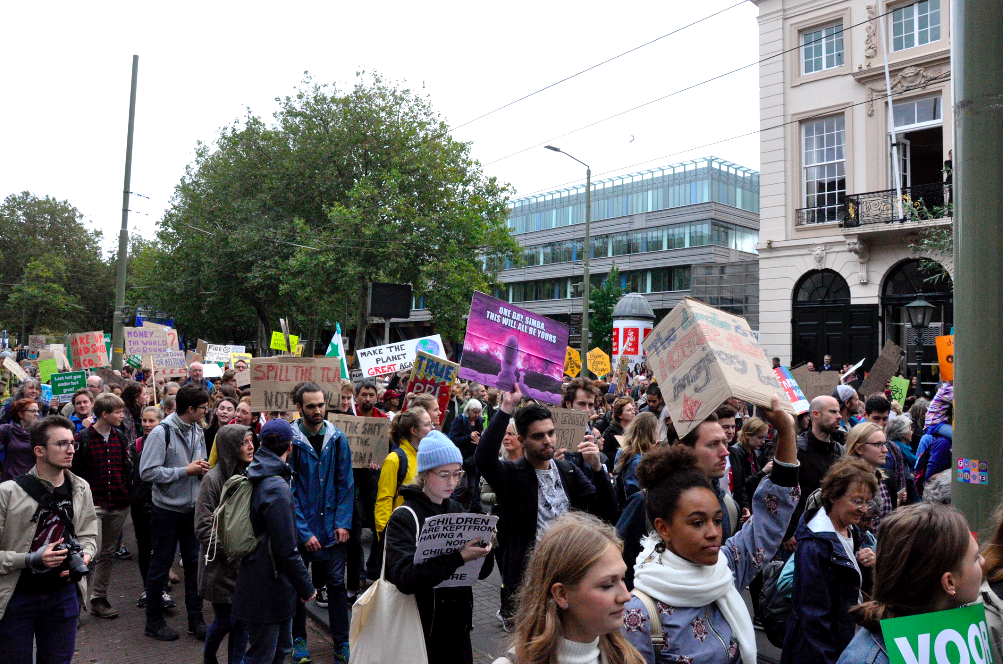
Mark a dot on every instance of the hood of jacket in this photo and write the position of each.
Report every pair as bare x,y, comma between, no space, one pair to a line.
423,505
267,463
229,440
300,435
827,533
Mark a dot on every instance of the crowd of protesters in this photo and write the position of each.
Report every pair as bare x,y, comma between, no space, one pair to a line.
632,545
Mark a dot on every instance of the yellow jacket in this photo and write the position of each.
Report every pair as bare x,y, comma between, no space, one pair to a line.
386,490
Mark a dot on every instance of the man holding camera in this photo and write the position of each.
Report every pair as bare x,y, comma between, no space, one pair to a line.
48,535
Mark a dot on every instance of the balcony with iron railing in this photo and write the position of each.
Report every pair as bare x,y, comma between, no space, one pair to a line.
876,211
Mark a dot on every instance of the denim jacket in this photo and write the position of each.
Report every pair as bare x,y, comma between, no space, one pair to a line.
865,648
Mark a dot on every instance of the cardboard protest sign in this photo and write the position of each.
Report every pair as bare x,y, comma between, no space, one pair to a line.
201,346
243,378
572,362
59,352
273,379
900,389
794,393
191,357
368,437
944,637
815,383
108,376
945,356
172,334
621,381
217,353
433,375
88,350
357,378
446,533
570,427
15,368
701,356
65,384
279,342
146,341
236,357
882,370
46,368
506,344
599,362
170,365
385,360
36,342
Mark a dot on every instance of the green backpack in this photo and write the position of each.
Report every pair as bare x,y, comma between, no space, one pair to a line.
231,522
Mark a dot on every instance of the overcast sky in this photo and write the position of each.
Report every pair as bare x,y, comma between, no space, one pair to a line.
65,68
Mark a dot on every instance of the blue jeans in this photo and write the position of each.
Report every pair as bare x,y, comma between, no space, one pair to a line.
49,621
226,624
333,571
167,530
269,643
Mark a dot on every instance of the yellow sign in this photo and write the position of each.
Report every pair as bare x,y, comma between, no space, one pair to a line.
599,363
572,362
279,341
236,357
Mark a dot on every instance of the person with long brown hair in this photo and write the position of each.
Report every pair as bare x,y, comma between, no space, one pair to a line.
927,561
624,412
867,441
638,440
571,605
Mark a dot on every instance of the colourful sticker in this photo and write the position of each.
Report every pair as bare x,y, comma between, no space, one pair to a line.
973,471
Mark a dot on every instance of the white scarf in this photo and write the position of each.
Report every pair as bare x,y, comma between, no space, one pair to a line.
678,582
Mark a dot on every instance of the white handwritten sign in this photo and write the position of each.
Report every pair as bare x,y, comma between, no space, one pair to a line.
385,360
446,533
146,341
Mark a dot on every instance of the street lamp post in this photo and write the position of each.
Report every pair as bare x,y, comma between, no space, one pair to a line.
919,312
587,251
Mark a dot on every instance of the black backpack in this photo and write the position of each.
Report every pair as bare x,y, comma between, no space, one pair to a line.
775,607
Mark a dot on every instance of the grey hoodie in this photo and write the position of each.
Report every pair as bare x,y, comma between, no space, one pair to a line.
164,465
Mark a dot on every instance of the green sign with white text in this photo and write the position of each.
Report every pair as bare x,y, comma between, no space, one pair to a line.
957,636
65,384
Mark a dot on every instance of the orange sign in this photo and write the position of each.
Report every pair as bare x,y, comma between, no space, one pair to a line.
945,355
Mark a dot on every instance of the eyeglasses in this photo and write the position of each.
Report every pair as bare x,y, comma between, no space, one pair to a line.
857,502
63,445
445,475
877,444
35,411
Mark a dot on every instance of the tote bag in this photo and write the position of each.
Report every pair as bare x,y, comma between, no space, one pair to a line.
386,623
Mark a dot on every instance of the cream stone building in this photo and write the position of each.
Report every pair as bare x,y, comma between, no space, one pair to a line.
835,262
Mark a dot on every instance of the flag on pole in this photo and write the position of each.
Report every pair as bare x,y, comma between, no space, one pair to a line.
336,349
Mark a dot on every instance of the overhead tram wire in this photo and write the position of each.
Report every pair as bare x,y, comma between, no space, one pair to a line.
826,113
596,66
681,90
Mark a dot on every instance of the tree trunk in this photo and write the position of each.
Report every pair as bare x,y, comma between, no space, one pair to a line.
264,340
363,322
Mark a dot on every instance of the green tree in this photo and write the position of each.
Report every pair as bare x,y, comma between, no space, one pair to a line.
936,241
602,301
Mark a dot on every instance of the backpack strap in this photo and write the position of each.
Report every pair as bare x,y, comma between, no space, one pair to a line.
401,469
34,488
733,512
657,637
417,534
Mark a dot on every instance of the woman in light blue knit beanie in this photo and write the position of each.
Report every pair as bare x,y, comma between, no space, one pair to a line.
446,613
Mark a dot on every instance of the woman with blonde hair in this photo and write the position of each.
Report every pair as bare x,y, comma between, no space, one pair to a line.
624,411
638,440
867,441
573,597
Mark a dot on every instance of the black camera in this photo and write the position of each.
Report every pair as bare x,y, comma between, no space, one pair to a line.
74,561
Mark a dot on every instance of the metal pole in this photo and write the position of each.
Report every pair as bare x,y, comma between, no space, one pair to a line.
118,333
891,119
585,271
919,363
977,77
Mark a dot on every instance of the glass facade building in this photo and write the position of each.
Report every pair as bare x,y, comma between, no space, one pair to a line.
704,180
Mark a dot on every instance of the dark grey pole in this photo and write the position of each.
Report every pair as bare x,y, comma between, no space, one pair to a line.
118,333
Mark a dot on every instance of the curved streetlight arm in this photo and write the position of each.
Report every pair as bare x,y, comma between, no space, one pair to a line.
555,149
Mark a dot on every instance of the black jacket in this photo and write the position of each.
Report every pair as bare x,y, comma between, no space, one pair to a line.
445,612
517,490
609,443
815,457
745,476
267,591
461,433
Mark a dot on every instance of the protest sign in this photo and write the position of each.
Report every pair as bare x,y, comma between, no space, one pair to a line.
368,437
279,342
851,374
900,389
36,342
357,378
506,344
433,375
109,377
882,370
944,637
599,362
46,393
815,383
621,381
217,353
65,384
945,356
385,360
273,379
170,365
212,370
201,346
570,427
243,378
701,356
15,368
191,357
134,361
234,348
446,533
59,352
146,341
572,362
89,351
172,334
794,393
46,368
235,357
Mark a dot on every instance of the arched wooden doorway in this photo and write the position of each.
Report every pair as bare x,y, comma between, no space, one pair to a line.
825,322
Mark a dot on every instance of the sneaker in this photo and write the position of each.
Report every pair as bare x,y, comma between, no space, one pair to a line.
166,600
300,653
341,654
123,554
141,602
101,608
322,598
161,632
197,628
506,624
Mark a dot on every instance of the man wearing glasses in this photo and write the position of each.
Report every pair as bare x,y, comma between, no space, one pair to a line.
38,599
324,493
174,461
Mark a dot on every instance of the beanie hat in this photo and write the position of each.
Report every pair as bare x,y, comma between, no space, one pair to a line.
279,427
435,450
843,393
